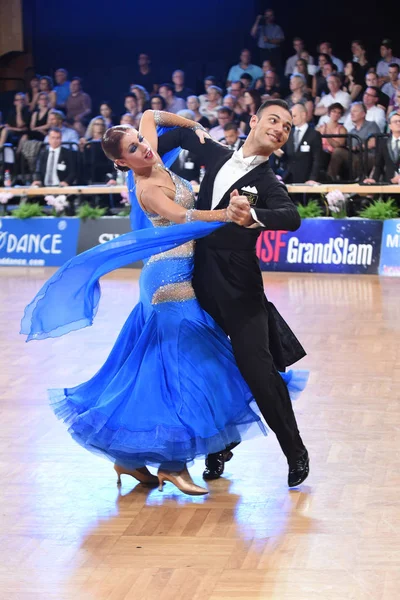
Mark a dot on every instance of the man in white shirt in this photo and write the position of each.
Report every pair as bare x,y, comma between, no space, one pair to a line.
326,48
382,68
56,166
335,95
69,137
225,115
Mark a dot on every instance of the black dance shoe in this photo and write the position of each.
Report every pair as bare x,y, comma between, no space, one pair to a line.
215,463
299,471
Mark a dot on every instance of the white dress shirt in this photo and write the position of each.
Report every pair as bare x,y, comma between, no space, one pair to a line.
233,170
54,179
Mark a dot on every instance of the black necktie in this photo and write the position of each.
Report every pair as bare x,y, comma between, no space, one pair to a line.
50,168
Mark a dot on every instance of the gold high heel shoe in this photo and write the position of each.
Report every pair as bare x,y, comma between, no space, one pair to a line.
142,474
182,481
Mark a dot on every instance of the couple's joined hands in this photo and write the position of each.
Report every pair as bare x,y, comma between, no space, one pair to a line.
238,210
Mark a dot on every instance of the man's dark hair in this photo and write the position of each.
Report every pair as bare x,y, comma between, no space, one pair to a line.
231,127
376,90
77,79
359,43
210,78
56,129
169,86
239,82
395,65
387,43
247,77
298,39
225,110
394,113
130,95
58,113
275,102
336,106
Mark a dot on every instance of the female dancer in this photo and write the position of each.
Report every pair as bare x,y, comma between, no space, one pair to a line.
170,389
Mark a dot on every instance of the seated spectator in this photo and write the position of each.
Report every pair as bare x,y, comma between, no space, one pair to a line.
56,165
144,75
302,69
303,150
393,85
374,112
298,46
106,112
231,136
267,65
225,115
252,102
394,104
62,87
193,104
269,86
128,119
214,101
174,104
157,102
33,92
332,127
247,81
178,79
69,137
326,48
353,81
96,128
244,66
299,95
141,95
319,83
17,122
371,80
311,68
39,125
361,128
269,36
97,167
208,81
382,68
236,89
131,104
230,102
360,55
387,161
78,106
46,85
335,95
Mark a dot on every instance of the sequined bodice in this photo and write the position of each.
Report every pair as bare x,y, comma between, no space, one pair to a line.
166,277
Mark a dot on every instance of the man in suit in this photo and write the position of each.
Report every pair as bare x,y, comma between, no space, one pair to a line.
227,276
303,150
231,136
56,165
387,162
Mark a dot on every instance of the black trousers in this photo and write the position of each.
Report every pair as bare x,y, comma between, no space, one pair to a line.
250,341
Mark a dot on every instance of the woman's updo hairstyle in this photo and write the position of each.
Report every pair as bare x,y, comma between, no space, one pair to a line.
111,143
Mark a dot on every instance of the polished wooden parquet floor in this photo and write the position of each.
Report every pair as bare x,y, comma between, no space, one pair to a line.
68,533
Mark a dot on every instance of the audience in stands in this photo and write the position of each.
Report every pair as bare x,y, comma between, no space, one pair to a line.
298,46
78,106
269,37
39,125
269,85
173,103
244,66
178,79
335,95
360,55
56,165
326,48
69,137
157,102
353,81
144,75
299,95
232,137
210,107
33,92
46,85
252,102
302,69
382,68
193,104
62,88
128,119
106,112
387,161
225,115
142,97
303,150
319,83
17,122
394,104
393,85
332,127
208,81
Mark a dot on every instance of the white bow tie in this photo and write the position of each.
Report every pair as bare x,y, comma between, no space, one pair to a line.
239,160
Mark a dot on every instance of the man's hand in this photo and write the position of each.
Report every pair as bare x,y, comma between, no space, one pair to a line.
202,135
36,183
369,180
312,182
111,182
395,179
239,210
64,184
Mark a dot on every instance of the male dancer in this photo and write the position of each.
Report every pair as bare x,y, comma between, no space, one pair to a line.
227,277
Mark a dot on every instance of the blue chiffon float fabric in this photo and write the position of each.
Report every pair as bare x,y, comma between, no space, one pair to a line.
170,390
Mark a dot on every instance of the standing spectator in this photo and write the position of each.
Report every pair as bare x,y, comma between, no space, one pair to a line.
387,162
214,101
269,37
382,68
326,48
46,85
354,81
144,75
319,83
298,46
78,106
68,135
303,149
244,66
178,79
209,80
40,118
56,165
252,102
360,55
106,112
332,127
17,122
335,95
33,92
225,115
174,104
393,85
231,136
62,88
269,86
193,104
157,102
359,126
299,95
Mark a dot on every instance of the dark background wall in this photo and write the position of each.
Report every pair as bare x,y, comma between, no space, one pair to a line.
101,41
